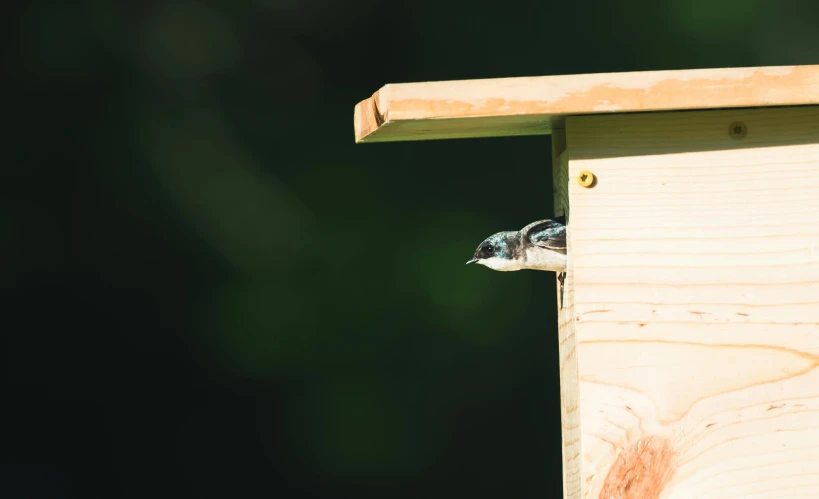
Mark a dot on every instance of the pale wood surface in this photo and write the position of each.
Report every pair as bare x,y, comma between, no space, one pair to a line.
537,105
569,415
696,304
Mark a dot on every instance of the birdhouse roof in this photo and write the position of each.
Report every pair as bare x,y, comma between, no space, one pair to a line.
537,105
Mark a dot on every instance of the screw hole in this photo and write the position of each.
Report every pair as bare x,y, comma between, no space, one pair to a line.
737,130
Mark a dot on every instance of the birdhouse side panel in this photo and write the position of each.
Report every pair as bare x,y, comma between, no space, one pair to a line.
695,261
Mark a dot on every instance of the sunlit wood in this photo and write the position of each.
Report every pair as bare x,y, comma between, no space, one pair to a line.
537,105
696,304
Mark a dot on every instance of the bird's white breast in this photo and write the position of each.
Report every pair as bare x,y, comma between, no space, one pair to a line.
501,264
535,258
539,258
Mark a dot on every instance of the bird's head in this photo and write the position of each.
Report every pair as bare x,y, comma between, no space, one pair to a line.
499,252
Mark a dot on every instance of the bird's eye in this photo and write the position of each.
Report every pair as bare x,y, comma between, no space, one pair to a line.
490,249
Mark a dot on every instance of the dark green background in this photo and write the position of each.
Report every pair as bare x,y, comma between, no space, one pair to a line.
210,291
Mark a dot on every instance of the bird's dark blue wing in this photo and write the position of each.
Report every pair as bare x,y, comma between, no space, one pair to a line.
547,233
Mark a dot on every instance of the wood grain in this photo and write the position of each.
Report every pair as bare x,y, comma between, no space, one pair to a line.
569,414
538,105
696,304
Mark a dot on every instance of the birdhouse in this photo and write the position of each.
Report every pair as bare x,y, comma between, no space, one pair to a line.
689,321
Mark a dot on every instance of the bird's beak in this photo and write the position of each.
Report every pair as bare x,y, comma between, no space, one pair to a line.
472,261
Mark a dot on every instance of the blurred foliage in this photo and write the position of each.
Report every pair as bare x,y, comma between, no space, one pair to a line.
213,292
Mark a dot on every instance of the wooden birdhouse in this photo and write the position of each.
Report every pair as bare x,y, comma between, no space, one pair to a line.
689,325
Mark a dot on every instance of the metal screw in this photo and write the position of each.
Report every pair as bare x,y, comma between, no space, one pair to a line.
585,178
737,130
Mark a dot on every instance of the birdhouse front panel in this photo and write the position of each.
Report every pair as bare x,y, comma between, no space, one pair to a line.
694,299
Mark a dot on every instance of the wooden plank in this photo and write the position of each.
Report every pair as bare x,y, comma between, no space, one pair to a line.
569,415
696,303
537,105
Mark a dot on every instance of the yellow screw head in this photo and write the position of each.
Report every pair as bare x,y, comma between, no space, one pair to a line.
585,178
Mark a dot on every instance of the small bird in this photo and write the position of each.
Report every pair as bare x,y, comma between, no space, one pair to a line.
540,245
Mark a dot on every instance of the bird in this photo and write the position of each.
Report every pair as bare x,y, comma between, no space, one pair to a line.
540,245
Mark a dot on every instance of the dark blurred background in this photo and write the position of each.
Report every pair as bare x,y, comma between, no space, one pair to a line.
209,290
